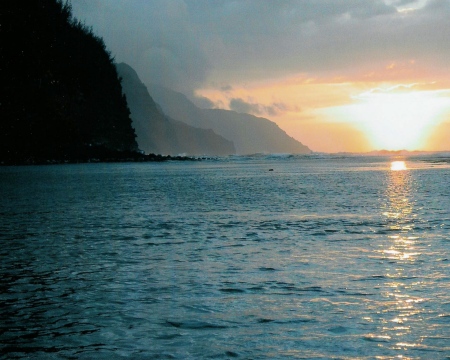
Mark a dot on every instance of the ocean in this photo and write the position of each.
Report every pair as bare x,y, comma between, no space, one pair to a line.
258,257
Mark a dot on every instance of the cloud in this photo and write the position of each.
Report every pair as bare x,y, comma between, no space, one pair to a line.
242,106
186,44
203,102
226,88
154,37
239,105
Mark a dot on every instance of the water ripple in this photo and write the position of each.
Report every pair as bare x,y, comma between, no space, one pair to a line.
320,259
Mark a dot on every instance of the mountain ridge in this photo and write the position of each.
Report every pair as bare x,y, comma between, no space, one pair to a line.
250,134
158,133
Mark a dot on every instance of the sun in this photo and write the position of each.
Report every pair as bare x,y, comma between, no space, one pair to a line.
397,120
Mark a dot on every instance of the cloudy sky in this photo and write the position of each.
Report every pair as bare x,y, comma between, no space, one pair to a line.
337,75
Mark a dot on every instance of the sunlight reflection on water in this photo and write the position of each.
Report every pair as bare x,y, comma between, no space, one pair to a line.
318,259
402,255
398,166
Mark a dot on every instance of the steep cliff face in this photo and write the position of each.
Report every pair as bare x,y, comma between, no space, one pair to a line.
61,93
250,134
161,134
253,134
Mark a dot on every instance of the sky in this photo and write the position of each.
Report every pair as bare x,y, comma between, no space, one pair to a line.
337,75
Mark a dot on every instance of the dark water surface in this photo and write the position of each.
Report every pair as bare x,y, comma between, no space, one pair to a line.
320,258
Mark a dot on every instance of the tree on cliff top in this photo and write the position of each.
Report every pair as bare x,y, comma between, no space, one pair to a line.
61,92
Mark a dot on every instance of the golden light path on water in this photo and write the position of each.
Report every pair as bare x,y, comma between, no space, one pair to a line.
398,165
401,251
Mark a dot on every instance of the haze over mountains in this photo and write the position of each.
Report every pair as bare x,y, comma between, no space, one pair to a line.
250,134
64,101
158,133
197,131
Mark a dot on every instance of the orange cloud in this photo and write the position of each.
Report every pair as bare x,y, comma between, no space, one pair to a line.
347,112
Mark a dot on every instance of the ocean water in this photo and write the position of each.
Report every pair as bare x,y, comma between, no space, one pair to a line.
324,257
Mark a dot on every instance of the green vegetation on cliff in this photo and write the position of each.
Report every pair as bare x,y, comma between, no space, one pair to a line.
61,93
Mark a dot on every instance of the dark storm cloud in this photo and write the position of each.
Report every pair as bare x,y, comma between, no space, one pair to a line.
180,43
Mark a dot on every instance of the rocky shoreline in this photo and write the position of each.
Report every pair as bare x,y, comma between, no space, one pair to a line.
98,157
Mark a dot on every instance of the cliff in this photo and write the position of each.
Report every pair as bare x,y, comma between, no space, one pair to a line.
250,134
159,133
61,93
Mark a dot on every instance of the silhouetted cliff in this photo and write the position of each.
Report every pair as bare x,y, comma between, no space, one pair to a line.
250,134
61,92
253,134
158,133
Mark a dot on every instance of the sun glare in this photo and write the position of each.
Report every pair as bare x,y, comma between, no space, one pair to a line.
397,120
398,166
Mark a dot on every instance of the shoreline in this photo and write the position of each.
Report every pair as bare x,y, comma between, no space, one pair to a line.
113,157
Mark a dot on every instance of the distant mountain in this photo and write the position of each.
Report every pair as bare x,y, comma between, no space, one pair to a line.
158,133
253,134
250,134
